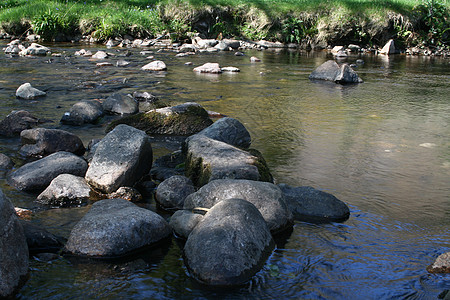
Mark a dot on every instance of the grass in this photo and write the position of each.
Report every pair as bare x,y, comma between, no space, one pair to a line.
285,20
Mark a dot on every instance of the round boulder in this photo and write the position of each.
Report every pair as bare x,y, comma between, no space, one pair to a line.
120,104
229,245
87,111
114,228
183,222
230,131
65,190
26,91
171,193
16,121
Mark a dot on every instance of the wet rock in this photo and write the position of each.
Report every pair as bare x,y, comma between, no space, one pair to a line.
184,119
83,112
12,49
212,68
354,48
23,213
5,162
116,227
254,59
13,249
230,69
100,55
228,130
204,43
208,159
312,205
127,193
66,190
38,142
37,175
156,65
187,48
267,197
122,63
35,50
222,46
120,104
16,121
27,92
331,71
441,264
183,222
267,44
239,53
229,245
104,64
83,52
112,43
40,240
171,193
146,101
389,48
122,157
337,49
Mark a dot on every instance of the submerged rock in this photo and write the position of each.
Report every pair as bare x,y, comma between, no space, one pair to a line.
16,121
13,249
331,71
26,91
267,198
66,190
114,228
40,240
86,111
229,245
312,205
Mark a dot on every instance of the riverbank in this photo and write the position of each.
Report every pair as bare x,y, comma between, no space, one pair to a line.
307,24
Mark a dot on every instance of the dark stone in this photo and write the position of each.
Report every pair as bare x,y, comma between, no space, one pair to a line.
39,142
183,222
120,104
13,249
229,245
36,176
122,158
40,240
5,162
16,121
83,112
162,173
127,193
312,205
267,197
331,71
171,193
114,228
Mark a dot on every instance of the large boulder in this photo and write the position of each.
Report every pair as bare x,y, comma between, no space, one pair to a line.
39,240
13,249
26,91
229,245
16,121
87,111
171,193
122,157
40,142
311,205
389,48
331,71
114,228
184,119
230,131
183,222
212,68
120,104
267,197
208,159
66,190
37,175
441,264
35,50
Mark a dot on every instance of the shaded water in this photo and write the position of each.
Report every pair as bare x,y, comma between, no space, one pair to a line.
382,147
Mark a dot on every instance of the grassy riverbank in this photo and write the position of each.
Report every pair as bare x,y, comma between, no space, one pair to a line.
323,22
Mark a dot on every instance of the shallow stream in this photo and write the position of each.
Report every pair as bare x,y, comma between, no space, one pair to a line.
382,147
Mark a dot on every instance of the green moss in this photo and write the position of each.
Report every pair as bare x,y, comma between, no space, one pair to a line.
261,164
197,171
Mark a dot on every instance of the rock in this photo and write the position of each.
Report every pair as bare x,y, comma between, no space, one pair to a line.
120,104
27,92
39,142
183,222
267,44
354,48
145,96
23,213
267,197
208,159
83,52
112,43
340,54
331,71
184,119
337,49
16,121
100,55
35,50
122,157
254,59
13,249
122,63
212,68
230,69
222,46
239,53
441,264
40,240
389,48
204,43
228,130
5,162
37,175
104,64
127,193
311,205
227,44
156,65
360,61
12,49
187,48
171,193
114,228
66,190
229,245
83,112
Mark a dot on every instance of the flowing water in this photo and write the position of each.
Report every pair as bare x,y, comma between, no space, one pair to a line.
382,147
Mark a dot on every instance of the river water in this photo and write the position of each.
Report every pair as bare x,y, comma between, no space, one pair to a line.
382,147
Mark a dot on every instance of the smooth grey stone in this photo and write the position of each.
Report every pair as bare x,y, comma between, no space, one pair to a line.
86,111
183,222
26,91
120,104
66,190
331,71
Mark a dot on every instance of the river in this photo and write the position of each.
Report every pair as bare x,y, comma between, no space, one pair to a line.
382,147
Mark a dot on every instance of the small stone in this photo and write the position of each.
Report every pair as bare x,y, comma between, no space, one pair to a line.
212,68
230,69
254,59
26,91
104,64
156,65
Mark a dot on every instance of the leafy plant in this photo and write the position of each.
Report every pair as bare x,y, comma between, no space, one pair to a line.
294,30
434,20
252,33
51,23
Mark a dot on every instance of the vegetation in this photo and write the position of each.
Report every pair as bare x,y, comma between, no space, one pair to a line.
295,21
